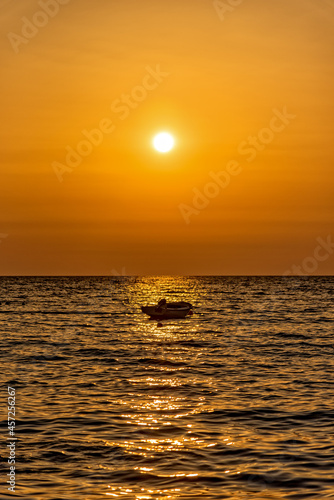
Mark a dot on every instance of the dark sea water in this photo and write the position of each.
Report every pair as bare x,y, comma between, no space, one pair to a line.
234,402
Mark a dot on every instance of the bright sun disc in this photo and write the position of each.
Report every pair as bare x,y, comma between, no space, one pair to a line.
163,142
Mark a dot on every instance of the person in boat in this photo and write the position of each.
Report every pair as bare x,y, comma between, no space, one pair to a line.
162,306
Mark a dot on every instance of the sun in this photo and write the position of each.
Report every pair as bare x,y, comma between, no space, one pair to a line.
163,142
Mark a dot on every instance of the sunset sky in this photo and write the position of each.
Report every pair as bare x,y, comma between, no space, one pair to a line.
217,79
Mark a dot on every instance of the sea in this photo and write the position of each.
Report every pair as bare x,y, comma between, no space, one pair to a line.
233,402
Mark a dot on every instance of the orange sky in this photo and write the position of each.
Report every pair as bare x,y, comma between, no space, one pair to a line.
215,79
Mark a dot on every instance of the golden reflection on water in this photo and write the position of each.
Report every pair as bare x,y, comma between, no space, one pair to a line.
155,412
158,411
147,493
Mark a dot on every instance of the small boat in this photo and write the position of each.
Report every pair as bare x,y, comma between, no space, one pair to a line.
168,310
